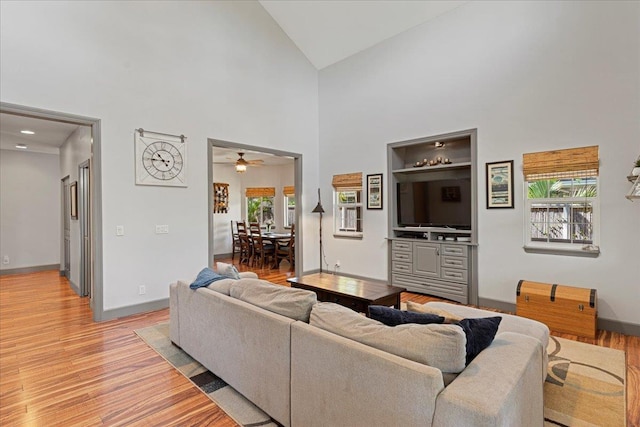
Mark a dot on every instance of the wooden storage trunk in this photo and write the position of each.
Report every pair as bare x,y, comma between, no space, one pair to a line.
562,308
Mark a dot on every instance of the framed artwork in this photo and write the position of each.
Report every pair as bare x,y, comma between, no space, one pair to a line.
500,185
374,191
73,198
220,197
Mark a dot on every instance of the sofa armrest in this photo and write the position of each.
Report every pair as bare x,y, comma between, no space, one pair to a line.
336,381
502,386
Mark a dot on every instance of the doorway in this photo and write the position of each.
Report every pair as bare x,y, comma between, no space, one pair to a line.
92,201
234,148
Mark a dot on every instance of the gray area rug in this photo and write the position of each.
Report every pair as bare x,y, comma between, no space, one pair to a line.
232,403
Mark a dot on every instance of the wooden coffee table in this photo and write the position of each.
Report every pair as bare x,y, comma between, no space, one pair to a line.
356,294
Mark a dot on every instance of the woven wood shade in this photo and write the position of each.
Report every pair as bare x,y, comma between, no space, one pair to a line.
347,180
569,163
289,190
260,191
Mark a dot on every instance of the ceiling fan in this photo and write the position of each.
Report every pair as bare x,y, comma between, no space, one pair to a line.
241,163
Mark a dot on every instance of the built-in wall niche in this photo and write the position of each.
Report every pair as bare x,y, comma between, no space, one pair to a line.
433,154
433,215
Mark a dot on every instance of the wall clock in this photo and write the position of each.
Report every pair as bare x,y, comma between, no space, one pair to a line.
160,159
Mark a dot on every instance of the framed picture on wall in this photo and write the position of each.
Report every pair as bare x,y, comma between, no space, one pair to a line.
374,191
500,185
73,198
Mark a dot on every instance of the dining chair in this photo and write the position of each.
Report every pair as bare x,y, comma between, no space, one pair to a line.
263,250
235,240
254,227
286,249
245,248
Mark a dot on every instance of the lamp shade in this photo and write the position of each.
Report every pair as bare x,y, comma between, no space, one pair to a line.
318,208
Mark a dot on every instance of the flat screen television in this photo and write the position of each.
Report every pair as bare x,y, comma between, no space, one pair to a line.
438,203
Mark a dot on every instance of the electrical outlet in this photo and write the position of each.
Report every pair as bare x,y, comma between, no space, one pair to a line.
142,290
338,263
119,230
162,229
5,259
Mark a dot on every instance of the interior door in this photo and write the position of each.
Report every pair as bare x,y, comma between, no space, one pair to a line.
66,215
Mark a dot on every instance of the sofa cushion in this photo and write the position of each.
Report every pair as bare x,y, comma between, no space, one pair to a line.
222,286
436,345
293,303
393,317
420,308
228,270
205,278
480,333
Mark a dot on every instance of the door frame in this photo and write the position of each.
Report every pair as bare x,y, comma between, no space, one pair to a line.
297,171
65,254
95,182
84,217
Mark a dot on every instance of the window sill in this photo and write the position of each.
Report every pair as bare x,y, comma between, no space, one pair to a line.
354,235
578,251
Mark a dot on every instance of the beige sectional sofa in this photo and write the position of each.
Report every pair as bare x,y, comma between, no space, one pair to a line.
257,337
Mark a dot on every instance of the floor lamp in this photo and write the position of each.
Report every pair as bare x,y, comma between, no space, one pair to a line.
320,210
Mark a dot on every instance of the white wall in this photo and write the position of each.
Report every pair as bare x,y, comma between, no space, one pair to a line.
221,70
263,176
29,209
530,76
75,150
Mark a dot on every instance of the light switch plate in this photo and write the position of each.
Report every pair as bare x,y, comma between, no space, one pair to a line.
119,230
162,229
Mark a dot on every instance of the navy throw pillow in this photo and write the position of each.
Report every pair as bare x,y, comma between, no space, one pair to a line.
206,277
480,334
393,317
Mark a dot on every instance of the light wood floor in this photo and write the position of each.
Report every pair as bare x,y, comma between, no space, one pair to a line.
59,368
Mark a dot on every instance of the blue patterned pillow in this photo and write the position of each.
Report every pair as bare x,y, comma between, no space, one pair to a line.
205,278
393,317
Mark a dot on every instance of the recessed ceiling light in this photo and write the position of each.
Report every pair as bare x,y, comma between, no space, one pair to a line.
27,132
21,146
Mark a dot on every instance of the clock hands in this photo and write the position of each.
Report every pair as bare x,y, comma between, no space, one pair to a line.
160,158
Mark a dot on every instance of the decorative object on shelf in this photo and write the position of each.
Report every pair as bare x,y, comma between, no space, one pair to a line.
319,209
374,191
634,192
73,199
161,159
500,185
220,197
636,169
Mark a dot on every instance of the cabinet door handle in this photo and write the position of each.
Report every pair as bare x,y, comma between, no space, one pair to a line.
438,252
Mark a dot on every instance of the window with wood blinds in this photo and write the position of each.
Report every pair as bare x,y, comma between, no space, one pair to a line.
289,192
562,201
260,205
348,205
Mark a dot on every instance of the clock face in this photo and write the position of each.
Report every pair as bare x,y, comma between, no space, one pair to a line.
160,161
